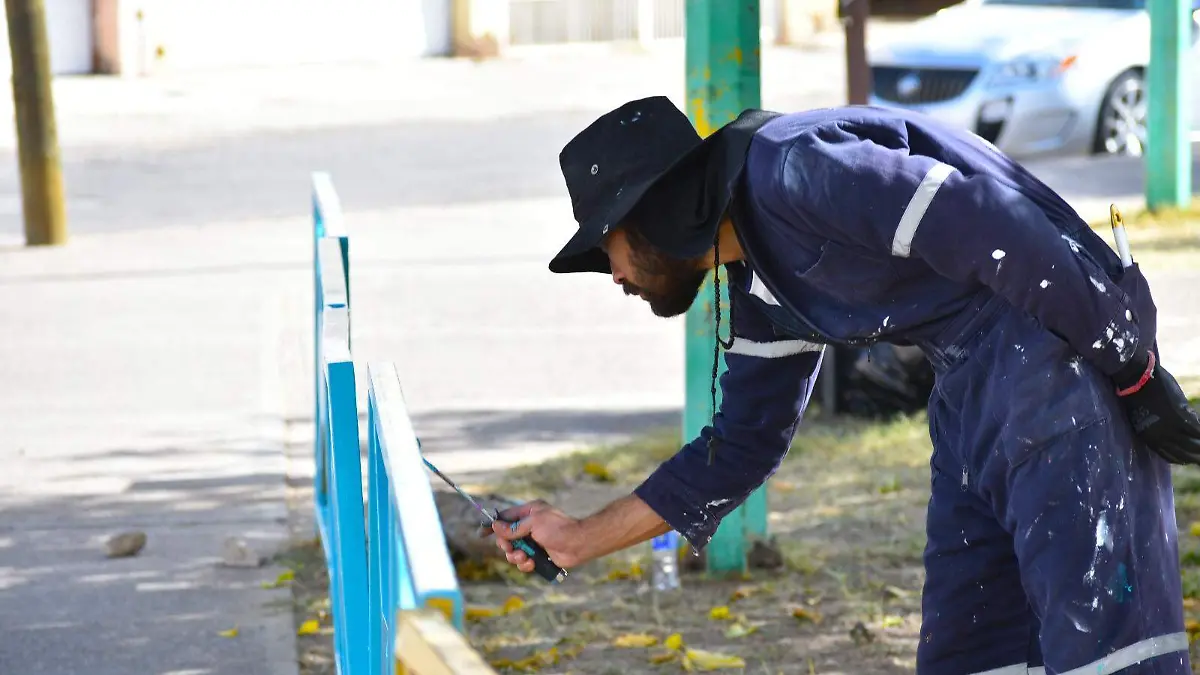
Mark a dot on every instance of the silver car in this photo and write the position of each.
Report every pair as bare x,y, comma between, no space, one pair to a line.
1034,77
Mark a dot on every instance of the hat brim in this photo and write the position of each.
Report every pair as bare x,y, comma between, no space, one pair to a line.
582,253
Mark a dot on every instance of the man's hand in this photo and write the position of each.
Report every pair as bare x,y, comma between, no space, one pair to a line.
1159,410
571,542
558,533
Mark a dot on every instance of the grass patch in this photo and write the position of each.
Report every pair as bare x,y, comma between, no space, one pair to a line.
619,463
847,509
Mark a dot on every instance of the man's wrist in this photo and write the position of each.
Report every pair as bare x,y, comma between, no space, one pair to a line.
1135,373
626,522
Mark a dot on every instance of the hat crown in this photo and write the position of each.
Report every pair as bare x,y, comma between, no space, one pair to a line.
630,145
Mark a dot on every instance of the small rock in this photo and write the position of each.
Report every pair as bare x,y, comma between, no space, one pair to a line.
861,634
765,555
126,544
238,553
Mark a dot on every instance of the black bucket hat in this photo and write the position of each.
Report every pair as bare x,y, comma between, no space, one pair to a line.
646,155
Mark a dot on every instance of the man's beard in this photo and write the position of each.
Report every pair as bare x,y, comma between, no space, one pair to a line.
675,282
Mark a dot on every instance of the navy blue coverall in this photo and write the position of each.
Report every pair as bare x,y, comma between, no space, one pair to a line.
1051,531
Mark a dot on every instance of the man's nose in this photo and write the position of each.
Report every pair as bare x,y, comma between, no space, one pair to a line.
618,278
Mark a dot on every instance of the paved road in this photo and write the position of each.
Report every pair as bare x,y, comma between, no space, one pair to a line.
156,366
209,148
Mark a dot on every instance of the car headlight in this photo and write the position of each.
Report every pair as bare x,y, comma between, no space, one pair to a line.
1032,69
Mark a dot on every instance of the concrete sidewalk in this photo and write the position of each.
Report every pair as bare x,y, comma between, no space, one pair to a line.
157,366
144,401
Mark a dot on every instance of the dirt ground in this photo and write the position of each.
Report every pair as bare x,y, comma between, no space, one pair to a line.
845,599
847,508
847,512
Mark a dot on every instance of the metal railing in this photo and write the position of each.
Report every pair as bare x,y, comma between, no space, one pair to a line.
384,579
410,567
337,490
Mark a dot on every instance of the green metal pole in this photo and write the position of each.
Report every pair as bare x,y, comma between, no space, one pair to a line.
723,79
1168,146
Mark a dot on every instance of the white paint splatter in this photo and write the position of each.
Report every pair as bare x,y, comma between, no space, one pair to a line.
1074,365
1070,242
997,254
1079,626
1128,315
885,320
1045,283
1099,285
1103,534
717,502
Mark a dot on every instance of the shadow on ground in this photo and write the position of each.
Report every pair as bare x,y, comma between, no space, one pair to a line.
165,609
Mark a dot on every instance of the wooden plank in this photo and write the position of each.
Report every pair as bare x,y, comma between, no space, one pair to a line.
427,645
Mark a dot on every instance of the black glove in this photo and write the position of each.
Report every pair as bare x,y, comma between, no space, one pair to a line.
1159,410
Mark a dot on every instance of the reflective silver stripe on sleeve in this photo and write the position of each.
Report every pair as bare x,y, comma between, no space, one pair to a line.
1134,653
1114,662
1015,669
915,211
772,350
760,291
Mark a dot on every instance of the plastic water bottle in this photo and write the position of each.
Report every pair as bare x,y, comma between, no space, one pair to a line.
664,561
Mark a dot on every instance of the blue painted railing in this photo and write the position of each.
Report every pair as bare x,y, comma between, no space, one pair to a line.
386,578
338,477
410,568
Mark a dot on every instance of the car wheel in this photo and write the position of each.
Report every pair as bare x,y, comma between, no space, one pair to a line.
1121,128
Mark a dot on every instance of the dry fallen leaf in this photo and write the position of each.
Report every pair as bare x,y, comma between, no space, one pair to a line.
891,621
232,632
534,661
477,612
739,629
309,627
634,571
635,640
861,635
1196,529
719,613
512,604
598,471
282,579
699,659
743,592
806,615
663,656
673,641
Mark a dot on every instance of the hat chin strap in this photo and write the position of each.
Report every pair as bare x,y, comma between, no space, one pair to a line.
718,343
